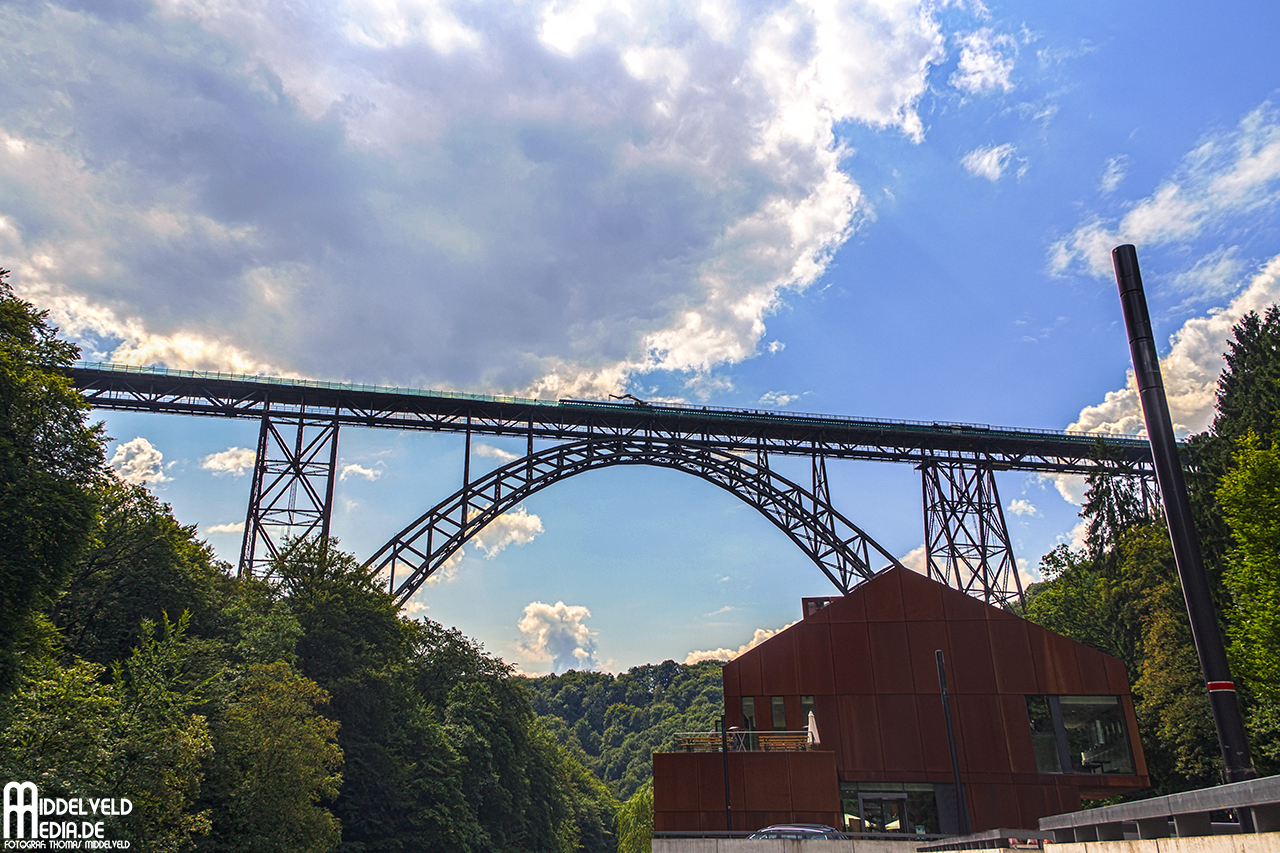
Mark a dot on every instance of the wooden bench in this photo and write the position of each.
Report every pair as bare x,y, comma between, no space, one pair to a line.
782,741
699,742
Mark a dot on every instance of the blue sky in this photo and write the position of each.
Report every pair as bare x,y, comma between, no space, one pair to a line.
893,209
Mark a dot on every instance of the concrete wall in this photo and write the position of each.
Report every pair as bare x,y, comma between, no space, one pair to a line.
1263,842
742,845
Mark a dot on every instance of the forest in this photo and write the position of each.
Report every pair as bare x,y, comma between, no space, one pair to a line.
307,714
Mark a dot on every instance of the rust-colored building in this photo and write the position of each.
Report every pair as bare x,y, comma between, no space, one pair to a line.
1040,721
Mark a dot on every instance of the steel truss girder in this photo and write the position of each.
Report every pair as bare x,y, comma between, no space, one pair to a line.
966,538
292,490
839,548
217,395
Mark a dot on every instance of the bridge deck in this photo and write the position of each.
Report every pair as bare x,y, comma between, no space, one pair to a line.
108,386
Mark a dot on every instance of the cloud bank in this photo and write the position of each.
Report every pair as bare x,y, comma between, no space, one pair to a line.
760,635
546,198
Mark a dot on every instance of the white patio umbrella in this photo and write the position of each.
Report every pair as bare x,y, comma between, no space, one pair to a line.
814,740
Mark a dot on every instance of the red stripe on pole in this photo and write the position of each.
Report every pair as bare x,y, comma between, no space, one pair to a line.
1221,685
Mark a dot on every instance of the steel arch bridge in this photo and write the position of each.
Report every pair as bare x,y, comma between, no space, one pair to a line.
292,491
838,547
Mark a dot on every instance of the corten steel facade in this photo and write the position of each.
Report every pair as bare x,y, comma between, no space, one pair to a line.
1026,705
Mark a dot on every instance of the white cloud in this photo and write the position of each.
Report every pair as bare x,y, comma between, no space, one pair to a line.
557,633
985,65
1019,506
413,608
778,399
496,453
514,151
354,469
989,163
229,527
917,560
519,527
1117,167
1190,371
1027,573
138,462
1229,174
760,635
234,461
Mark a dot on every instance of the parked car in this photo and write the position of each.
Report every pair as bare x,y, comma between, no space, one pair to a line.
798,830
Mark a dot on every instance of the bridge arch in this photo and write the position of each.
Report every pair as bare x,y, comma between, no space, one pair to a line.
839,548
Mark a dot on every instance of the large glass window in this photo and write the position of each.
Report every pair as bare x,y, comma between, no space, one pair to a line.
1044,735
779,706
909,808
1084,733
749,713
1096,736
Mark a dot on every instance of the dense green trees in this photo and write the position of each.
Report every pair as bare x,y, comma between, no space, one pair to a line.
49,457
1123,596
301,714
614,724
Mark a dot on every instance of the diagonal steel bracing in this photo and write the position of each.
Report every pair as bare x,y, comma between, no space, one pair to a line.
843,552
292,490
966,539
292,493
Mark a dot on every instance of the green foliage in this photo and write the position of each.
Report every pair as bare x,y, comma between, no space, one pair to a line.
614,724
635,821
49,458
139,563
275,759
136,737
1250,498
442,750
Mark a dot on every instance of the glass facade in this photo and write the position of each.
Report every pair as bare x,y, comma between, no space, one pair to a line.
1086,734
906,808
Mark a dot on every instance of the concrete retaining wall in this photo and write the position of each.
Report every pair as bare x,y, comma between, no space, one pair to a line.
782,845
1263,842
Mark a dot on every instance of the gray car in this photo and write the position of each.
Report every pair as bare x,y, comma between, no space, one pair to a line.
798,830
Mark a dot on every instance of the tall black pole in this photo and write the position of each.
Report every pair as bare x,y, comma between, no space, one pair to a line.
1177,512
724,752
962,802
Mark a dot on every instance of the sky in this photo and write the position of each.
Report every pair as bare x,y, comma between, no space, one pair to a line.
888,208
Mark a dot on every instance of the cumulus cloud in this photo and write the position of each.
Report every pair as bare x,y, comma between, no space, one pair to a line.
985,62
778,399
518,527
917,560
557,633
990,163
239,170
138,462
365,472
1190,371
496,453
1019,506
234,461
229,527
760,635
1228,175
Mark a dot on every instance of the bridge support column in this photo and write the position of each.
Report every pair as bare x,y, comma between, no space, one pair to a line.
966,539
292,490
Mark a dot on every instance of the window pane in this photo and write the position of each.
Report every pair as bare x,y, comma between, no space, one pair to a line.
1096,734
748,712
1044,742
806,706
779,714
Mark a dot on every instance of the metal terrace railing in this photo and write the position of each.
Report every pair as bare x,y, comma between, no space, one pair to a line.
745,741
